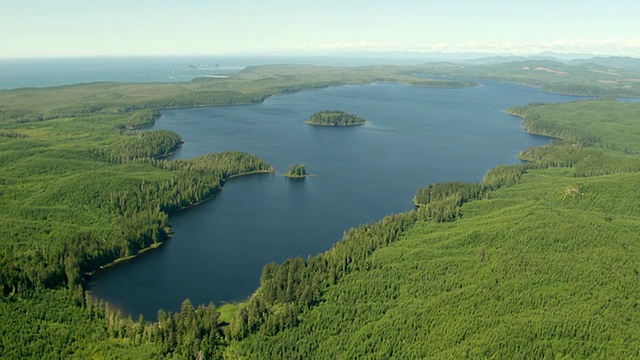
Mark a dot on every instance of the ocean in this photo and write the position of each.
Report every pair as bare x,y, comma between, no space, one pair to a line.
21,73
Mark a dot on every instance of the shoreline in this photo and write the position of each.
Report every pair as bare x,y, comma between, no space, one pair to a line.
336,125
221,187
127,258
236,304
522,119
170,232
296,176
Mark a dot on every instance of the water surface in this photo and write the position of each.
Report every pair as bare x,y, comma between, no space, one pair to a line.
39,72
414,137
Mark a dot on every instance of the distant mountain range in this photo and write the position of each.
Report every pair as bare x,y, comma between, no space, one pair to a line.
611,61
407,57
570,59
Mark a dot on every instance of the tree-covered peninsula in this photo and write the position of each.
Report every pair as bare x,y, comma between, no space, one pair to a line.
335,118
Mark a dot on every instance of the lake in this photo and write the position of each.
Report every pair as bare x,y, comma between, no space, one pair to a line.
415,136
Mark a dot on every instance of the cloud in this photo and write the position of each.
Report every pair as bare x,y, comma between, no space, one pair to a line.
600,47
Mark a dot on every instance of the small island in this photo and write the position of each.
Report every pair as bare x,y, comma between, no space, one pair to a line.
335,118
297,171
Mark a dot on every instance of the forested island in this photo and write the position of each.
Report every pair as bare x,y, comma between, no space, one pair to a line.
335,118
297,171
517,265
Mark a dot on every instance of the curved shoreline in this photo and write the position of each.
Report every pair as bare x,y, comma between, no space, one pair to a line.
170,232
126,258
527,130
157,245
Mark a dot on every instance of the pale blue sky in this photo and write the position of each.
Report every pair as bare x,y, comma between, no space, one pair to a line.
48,28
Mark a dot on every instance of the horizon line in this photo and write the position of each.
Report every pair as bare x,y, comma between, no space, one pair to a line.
398,54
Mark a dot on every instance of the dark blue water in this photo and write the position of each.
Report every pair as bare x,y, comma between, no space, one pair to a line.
414,137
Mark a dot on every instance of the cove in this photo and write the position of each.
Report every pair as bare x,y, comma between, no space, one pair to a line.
415,136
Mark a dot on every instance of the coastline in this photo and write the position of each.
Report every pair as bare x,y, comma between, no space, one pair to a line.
170,232
153,246
222,186
527,130
127,258
336,125
297,176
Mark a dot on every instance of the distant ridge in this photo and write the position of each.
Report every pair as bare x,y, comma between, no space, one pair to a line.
569,59
610,61
501,59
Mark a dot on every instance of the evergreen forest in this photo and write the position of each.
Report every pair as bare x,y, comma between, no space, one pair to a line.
296,171
335,118
537,260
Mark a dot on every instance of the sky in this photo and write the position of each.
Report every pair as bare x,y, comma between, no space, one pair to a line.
74,28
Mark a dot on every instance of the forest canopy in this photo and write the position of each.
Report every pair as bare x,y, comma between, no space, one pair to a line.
296,171
335,118
518,265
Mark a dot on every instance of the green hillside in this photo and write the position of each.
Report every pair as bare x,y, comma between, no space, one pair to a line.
547,267
585,79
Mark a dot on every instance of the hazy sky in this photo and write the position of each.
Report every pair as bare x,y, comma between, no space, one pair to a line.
52,28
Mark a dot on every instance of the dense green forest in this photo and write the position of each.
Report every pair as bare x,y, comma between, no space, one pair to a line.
80,187
296,171
537,260
335,118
